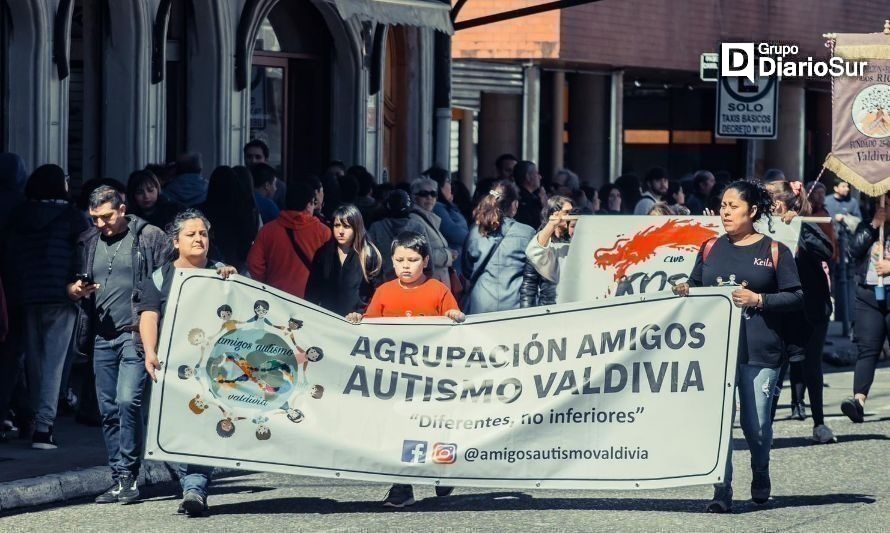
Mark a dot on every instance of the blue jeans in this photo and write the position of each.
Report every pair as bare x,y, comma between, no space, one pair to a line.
48,333
756,387
120,384
195,478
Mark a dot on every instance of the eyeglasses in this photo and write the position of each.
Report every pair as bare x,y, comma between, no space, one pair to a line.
425,194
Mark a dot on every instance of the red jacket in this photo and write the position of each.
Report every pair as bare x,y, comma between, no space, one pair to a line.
272,258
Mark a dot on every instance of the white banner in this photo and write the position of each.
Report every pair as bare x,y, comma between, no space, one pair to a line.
618,394
621,255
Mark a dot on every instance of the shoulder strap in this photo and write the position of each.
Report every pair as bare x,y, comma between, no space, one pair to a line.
774,250
484,263
707,248
293,240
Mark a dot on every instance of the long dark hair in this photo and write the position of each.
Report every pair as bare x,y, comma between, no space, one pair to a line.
368,254
231,209
755,195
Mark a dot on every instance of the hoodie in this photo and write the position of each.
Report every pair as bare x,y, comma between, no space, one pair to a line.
189,190
42,239
272,258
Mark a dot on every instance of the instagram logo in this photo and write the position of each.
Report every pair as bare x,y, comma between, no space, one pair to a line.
444,453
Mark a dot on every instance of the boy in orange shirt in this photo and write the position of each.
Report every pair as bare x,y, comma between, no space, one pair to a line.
412,293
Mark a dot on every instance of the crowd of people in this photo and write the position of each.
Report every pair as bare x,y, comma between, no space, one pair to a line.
86,280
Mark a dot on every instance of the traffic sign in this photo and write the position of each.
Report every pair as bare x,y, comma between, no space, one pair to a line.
709,67
747,110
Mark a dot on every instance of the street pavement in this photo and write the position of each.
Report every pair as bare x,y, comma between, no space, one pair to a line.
837,487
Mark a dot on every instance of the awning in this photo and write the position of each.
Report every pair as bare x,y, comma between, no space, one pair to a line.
422,13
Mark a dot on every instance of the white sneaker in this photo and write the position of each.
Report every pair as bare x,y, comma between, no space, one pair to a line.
823,435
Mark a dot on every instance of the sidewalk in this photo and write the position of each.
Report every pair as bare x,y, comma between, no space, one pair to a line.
74,470
77,468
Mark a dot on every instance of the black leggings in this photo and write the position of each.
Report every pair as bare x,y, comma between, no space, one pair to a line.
871,328
808,373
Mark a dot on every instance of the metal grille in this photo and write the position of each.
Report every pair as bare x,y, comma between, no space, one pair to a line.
471,78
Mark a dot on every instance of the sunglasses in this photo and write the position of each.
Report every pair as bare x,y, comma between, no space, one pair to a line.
424,194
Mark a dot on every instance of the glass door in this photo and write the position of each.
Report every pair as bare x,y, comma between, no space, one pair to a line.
268,108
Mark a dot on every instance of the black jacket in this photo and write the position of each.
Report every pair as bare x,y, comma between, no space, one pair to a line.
151,249
814,248
530,208
535,289
341,289
42,239
860,246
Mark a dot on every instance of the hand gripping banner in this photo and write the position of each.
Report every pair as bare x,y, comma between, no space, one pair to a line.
626,393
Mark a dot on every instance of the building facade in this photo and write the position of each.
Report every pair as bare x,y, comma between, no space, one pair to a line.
613,86
104,87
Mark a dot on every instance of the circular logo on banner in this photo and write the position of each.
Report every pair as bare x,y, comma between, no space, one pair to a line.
251,370
871,111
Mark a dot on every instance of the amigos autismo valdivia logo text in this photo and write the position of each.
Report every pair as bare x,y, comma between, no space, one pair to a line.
251,369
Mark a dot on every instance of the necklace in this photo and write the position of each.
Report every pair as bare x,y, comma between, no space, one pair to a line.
111,259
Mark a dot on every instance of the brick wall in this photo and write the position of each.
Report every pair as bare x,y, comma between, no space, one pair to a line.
657,33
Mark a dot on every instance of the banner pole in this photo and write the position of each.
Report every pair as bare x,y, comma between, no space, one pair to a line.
879,289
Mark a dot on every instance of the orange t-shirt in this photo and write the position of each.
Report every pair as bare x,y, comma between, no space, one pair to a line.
432,298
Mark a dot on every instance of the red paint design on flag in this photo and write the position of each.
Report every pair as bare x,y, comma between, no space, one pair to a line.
682,235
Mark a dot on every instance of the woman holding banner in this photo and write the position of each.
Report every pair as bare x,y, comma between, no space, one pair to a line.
872,325
190,233
814,248
769,288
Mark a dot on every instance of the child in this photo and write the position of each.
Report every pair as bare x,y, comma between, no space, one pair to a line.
412,293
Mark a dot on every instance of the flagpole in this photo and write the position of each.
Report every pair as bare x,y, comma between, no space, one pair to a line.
879,289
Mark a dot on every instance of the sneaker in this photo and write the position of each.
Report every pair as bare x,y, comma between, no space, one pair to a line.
193,503
722,500
854,410
761,487
799,411
110,495
823,435
44,440
399,496
129,492
443,491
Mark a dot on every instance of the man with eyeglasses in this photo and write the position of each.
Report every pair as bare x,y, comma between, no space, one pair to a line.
112,258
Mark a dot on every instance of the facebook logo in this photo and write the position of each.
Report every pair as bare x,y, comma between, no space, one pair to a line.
414,451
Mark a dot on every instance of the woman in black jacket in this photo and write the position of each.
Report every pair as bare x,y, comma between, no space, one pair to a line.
814,248
43,235
872,324
343,271
536,289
